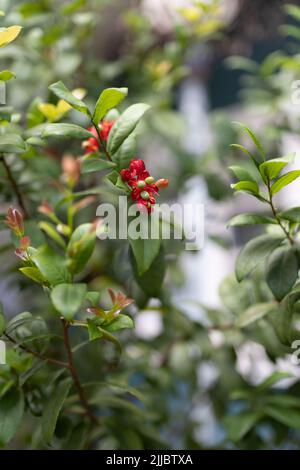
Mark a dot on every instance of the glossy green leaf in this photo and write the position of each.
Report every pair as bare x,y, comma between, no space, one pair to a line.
96,332
52,233
126,152
151,281
34,274
250,219
11,413
52,266
145,252
255,252
243,149
81,247
249,186
120,323
293,214
273,379
254,138
62,92
68,298
65,130
288,416
254,313
108,99
241,173
53,408
239,425
282,271
12,143
271,168
284,180
125,125
93,162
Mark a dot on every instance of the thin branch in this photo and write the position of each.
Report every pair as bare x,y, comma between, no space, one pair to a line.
35,353
14,186
276,217
102,144
73,372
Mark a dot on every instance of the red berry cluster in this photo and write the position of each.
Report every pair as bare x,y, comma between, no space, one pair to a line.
144,189
92,145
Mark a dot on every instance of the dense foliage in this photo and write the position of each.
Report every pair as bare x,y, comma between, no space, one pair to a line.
77,376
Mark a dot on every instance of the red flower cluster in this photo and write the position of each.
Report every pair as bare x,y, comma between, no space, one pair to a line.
92,145
144,190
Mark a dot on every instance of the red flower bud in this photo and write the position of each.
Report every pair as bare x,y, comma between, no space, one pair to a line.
105,129
137,167
45,208
125,175
14,220
71,169
162,183
21,251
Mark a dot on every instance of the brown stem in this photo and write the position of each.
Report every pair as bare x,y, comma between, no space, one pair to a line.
35,353
14,186
101,141
274,212
73,372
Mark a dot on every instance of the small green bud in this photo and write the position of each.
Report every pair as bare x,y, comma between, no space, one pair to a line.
145,195
141,184
149,179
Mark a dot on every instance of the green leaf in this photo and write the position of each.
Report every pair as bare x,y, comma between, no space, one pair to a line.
11,413
293,214
121,322
6,75
126,152
288,416
242,173
254,138
50,230
52,266
255,252
93,297
284,180
93,162
124,126
108,99
254,313
34,274
81,247
239,425
12,143
282,271
151,281
53,407
68,298
145,252
248,186
243,149
293,10
271,168
273,379
250,219
62,92
2,321
65,130
96,332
